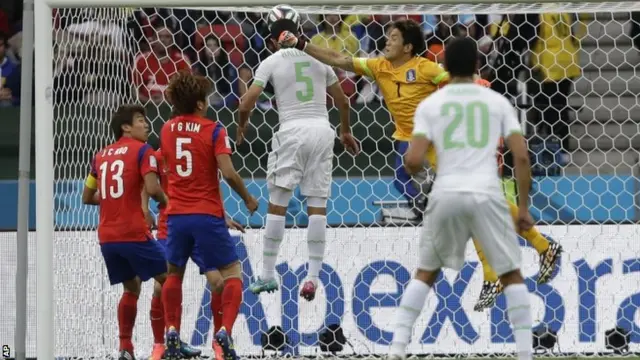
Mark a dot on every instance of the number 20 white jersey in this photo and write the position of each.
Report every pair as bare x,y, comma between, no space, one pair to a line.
465,123
300,83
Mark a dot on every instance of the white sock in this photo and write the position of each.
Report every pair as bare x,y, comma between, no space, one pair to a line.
316,235
273,234
519,311
410,307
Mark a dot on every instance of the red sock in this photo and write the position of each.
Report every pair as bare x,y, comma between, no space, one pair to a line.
157,320
231,300
216,310
172,300
127,311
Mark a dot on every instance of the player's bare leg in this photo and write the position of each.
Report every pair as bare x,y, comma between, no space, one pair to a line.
127,312
172,301
519,311
410,307
316,240
216,284
273,235
231,301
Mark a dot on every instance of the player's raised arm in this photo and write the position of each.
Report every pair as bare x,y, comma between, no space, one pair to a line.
420,141
90,195
247,103
515,141
249,99
342,103
285,32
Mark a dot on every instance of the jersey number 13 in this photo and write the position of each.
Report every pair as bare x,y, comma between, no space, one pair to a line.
115,169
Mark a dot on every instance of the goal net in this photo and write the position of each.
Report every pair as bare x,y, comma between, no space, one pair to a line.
576,90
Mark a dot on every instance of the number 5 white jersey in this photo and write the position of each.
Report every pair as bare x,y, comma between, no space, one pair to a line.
300,84
465,123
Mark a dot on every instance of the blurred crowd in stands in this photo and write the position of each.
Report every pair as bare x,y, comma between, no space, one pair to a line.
100,53
10,51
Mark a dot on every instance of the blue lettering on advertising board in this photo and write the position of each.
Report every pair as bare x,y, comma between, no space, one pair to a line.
448,309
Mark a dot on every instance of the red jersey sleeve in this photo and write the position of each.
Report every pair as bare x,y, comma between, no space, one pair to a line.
221,143
147,160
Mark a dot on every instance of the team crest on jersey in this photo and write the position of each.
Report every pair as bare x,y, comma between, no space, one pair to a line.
411,75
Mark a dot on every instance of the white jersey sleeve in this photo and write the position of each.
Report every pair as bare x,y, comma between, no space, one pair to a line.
421,123
510,123
332,78
263,73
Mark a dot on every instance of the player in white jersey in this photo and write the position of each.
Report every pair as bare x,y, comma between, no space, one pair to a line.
464,122
302,149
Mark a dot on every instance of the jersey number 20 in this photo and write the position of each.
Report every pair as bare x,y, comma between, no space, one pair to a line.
116,169
475,115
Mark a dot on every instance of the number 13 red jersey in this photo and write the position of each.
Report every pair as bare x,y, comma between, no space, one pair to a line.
189,148
119,170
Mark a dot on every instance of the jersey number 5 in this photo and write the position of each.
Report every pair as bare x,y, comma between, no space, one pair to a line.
306,94
117,189
183,154
474,114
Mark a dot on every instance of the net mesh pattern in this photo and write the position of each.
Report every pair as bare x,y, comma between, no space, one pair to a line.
579,108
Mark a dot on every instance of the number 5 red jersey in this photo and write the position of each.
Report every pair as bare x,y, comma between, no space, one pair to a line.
119,170
189,148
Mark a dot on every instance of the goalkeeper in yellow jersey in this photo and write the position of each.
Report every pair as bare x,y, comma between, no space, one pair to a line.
405,79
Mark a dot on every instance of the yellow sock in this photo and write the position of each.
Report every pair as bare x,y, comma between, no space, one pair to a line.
533,236
489,274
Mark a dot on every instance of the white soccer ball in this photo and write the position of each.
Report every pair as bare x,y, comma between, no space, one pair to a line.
279,12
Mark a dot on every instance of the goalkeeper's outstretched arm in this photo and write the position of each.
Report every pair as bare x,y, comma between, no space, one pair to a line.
330,57
325,55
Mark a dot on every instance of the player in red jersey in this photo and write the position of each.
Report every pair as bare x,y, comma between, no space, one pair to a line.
213,278
157,309
118,173
194,148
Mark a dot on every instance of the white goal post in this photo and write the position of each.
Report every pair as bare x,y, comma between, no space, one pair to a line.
44,110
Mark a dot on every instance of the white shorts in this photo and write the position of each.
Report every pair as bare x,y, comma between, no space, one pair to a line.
302,155
452,218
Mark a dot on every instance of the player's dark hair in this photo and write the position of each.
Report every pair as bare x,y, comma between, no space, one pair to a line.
4,39
462,57
185,90
124,116
411,34
281,25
